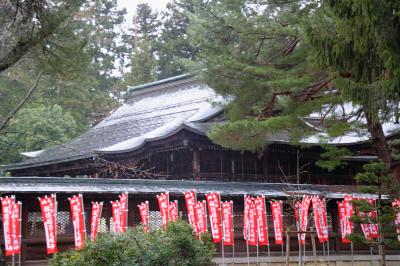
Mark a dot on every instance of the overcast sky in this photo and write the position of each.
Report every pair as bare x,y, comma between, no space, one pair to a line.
130,5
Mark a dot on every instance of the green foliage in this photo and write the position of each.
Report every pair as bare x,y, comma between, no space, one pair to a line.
251,51
159,42
376,175
77,65
358,42
376,180
143,64
248,134
174,246
34,129
333,157
172,44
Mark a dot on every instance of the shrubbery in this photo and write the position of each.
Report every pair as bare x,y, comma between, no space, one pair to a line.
174,246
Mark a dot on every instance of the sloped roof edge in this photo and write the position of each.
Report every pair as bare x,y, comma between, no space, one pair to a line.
156,83
177,187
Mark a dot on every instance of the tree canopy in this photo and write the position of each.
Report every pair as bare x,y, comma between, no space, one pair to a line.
282,61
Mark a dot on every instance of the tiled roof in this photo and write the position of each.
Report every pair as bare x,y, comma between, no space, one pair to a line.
149,112
141,186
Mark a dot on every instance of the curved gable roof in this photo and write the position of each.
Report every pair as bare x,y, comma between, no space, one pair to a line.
150,111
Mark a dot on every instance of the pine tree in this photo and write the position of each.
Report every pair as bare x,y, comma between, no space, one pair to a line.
254,53
377,180
281,61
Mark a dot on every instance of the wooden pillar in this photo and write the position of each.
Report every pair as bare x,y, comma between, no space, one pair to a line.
196,165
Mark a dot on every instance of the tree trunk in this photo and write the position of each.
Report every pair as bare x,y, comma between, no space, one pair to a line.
378,139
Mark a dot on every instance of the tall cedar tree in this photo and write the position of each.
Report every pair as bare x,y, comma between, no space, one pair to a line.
358,42
160,42
143,34
172,43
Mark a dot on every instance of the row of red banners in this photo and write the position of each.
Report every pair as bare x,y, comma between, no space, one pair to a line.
370,230
220,214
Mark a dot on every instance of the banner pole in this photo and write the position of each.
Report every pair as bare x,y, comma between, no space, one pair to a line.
84,216
282,254
126,211
327,246
222,230
299,236
371,256
323,250
233,236
13,229
258,242
56,208
257,259
269,255
266,229
20,232
168,208
247,234
352,253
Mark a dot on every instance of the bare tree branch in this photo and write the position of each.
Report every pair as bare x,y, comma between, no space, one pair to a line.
12,113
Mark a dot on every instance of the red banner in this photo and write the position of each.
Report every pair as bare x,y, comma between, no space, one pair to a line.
97,207
261,221
320,219
370,230
173,210
214,212
345,213
227,223
11,225
163,204
277,212
48,206
144,215
250,221
247,202
301,213
123,199
190,199
78,220
200,217
117,210
16,227
396,206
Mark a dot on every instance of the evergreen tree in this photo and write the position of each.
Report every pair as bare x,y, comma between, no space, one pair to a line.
376,180
143,64
281,61
358,42
143,36
173,45
253,53
146,23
